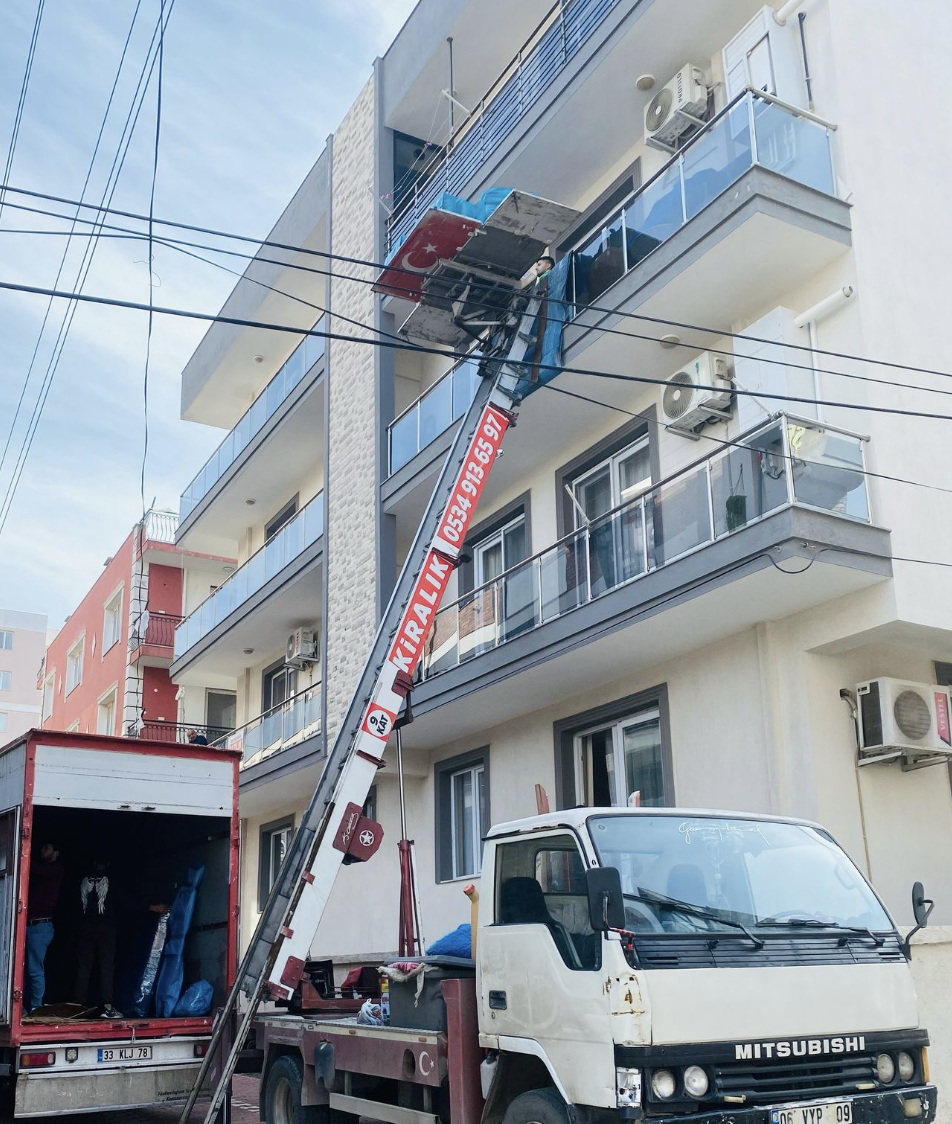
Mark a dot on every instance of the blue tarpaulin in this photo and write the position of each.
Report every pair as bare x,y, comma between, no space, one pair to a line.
557,310
480,210
168,984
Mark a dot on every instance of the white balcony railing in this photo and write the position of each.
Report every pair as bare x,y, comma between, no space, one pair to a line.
433,412
787,462
305,528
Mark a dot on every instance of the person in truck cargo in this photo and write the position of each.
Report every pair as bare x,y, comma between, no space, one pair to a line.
46,878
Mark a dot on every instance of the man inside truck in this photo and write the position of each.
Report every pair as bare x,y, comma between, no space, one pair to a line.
46,878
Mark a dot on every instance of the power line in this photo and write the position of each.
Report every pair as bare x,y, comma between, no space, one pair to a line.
241,322
380,266
21,101
125,139
811,368
69,235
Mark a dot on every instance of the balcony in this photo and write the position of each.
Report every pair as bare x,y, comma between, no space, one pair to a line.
773,525
288,556
285,411
153,640
295,720
519,89
437,408
178,732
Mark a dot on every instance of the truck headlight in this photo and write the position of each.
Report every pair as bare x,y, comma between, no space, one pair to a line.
628,1088
885,1068
906,1065
696,1081
663,1084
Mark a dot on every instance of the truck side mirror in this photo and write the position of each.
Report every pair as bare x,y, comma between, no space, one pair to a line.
606,903
922,907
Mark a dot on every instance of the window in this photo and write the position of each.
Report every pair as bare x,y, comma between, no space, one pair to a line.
74,665
607,755
106,713
112,621
541,881
6,639
370,804
48,686
462,814
274,841
285,515
220,709
3,722
6,681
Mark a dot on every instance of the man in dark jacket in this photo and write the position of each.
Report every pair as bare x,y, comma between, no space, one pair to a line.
46,877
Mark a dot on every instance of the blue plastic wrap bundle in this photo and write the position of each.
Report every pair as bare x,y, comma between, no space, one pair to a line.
142,1000
197,1000
457,943
168,985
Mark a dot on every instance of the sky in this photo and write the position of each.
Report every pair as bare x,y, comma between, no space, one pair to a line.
250,93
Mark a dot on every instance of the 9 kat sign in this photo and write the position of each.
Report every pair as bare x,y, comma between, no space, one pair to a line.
430,585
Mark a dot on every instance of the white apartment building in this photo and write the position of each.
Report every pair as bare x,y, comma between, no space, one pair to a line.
22,648
651,605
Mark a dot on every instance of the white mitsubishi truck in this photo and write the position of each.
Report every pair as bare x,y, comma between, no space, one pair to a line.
657,964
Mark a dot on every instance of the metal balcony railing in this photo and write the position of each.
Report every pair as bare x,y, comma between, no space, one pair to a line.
295,367
755,129
177,731
157,526
433,412
545,54
305,528
297,716
788,461
157,629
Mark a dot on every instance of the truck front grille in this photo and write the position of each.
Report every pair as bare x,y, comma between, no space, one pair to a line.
793,1078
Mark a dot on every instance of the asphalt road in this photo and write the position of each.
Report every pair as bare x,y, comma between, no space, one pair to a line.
244,1110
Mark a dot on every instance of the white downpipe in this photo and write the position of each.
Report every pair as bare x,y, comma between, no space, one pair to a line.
824,308
811,326
785,11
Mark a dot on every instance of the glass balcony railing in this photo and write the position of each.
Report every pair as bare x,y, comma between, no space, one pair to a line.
279,551
752,130
567,26
789,461
299,715
297,365
434,411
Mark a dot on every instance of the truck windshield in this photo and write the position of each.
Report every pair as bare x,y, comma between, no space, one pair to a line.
760,873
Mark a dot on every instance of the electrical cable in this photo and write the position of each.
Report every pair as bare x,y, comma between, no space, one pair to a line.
128,129
151,255
69,235
21,101
379,267
808,367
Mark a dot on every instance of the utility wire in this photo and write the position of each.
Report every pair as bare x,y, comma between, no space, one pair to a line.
69,236
786,363
21,101
242,322
115,171
380,266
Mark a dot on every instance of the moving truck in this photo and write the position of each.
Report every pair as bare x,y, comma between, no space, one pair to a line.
153,810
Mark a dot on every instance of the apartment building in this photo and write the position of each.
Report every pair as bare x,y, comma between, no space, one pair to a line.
107,670
22,644
671,593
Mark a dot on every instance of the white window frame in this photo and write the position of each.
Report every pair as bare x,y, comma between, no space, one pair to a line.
109,698
4,645
476,773
497,538
112,610
613,462
583,760
266,872
49,686
71,662
6,680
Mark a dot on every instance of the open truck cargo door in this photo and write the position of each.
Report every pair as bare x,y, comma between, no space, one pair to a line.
9,836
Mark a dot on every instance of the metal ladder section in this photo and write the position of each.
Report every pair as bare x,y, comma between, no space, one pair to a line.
274,961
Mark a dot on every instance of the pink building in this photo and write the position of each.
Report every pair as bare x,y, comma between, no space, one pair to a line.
107,671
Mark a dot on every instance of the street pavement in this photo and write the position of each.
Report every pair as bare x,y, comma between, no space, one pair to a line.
244,1102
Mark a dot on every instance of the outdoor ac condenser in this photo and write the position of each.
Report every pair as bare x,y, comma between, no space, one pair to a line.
697,393
902,720
677,106
301,647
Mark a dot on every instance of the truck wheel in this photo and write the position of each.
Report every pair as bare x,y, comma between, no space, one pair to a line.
282,1094
541,1106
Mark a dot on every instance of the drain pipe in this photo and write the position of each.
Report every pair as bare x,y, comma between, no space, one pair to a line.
808,319
849,698
785,11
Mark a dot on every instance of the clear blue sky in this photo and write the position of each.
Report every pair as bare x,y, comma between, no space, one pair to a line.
250,93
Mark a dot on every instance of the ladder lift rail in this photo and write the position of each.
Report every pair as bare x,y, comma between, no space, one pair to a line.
274,961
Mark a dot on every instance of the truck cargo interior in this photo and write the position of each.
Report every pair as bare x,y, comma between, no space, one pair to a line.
149,857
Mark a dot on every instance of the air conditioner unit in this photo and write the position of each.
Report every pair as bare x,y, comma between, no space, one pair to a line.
697,393
676,107
302,647
903,721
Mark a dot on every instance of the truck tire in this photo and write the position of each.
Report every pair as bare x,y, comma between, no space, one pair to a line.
282,1094
541,1106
